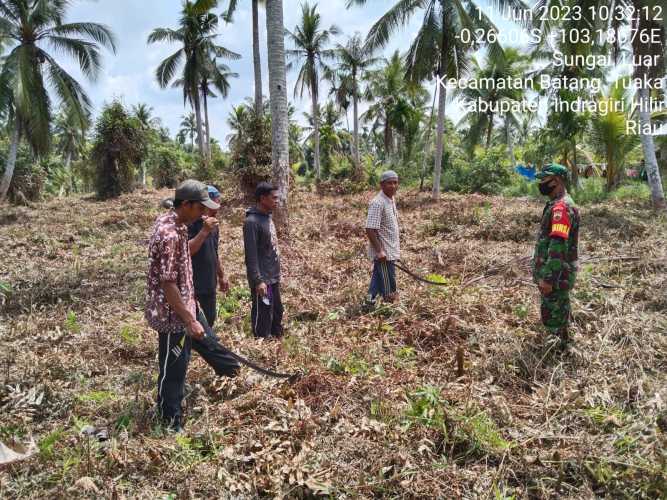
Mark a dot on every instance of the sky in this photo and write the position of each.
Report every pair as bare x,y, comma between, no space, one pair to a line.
130,74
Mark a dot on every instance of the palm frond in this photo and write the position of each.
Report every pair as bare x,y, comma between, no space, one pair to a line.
167,68
165,35
71,94
85,52
228,15
395,18
99,33
224,53
31,99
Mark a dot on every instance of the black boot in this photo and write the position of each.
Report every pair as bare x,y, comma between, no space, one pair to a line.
564,337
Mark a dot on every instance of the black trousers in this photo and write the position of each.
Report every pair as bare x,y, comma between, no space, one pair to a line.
266,319
173,359
207,302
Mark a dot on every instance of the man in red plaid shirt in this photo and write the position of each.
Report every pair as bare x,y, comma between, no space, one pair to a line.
171,308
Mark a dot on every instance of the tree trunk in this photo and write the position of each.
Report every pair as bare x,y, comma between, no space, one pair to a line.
489,130
275,30
440,127
611,169
650,159
200,126
355,119
206,122
70,176
11,163
256,61
575,168
510,145
422,176
316,128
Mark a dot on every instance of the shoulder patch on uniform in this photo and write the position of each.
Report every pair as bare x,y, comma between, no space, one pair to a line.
560,221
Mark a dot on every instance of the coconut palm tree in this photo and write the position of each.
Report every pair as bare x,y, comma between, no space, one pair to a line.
511,66
608,131
437,50
143,112
189,128
239,121
31,75
643,25
256,60
339,89
196,34
394,99
355,59
214,77
310,42
334,138
275,30
567,127
70,141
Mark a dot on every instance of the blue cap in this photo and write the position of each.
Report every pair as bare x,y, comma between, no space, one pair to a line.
213,193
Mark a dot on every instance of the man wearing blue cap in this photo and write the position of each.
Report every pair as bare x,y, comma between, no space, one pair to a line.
384,239
204,240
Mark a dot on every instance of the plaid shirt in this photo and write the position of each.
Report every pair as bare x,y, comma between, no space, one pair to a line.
168,260
383,216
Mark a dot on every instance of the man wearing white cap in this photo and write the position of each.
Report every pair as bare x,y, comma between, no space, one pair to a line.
384,247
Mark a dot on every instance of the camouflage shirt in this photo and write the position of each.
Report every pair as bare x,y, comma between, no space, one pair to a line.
555,257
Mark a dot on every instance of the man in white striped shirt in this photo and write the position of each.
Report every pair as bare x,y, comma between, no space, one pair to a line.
383,233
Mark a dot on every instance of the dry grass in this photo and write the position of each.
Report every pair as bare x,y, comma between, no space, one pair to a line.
380,411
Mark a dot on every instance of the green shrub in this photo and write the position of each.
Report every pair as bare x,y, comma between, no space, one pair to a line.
130,335
48,443
5,292
340,167
632,191
71,323
489,172
28,179
521,187
167,165
118,147
230,303
591,190
425,407
372,169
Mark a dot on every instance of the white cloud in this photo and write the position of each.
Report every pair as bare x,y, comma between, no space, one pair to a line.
130,73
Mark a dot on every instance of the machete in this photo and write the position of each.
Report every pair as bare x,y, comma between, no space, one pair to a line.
209,336
417,277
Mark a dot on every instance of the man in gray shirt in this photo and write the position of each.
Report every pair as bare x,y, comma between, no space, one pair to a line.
383,233
262,260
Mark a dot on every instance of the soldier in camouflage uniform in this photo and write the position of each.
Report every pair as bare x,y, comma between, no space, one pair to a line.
555,257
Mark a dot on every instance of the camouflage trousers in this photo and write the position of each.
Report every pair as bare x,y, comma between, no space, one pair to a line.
555,311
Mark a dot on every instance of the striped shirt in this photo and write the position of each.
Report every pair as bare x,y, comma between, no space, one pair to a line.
383,216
